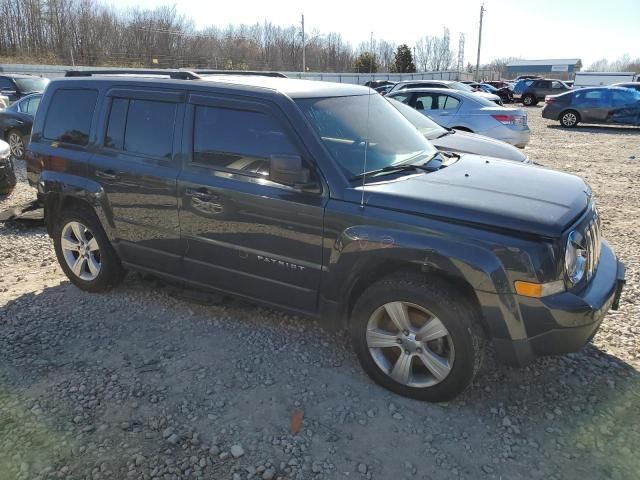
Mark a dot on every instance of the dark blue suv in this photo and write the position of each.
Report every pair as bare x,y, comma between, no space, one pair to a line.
323,199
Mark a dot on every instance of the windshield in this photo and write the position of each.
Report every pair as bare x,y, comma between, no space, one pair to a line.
461,86
424,124
31,84
341,123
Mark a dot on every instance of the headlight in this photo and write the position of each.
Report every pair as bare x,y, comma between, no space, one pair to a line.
575,258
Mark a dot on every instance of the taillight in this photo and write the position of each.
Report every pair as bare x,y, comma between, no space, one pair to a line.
549,100
520,120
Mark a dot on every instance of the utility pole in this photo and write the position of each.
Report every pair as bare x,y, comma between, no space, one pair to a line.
477,77
304,60
372,59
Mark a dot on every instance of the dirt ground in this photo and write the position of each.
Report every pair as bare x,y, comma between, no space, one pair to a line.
139,383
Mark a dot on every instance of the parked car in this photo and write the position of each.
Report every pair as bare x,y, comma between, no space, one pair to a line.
383,90
450,140
603,105
443,84
468,112
527,77
499,83
7,172
15,86
16,122
323,199
505,93
530,92
632,85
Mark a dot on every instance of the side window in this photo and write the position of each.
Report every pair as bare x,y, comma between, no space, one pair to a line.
426,102
117,120
403,97
239,140
556,85
32,107
141,126
69,116
451,103
5,84
150,128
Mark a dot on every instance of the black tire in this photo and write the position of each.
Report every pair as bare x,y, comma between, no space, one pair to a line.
456,313
529,100
569,118
8,178
111,272
17,144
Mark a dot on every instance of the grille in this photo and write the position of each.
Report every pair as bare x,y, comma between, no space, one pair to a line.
593,240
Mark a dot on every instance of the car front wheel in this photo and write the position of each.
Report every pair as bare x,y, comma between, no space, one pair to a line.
529,100
569,119
417,337
84,251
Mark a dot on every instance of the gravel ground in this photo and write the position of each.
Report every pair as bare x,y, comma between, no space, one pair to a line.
141,383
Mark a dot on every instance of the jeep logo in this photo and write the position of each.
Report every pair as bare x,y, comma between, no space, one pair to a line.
281,263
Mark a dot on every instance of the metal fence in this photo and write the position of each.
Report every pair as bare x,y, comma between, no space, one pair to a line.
53,71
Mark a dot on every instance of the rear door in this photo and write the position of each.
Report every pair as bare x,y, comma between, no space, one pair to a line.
594,105
136,165
245,233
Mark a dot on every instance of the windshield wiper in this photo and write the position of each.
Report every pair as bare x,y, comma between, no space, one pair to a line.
425,167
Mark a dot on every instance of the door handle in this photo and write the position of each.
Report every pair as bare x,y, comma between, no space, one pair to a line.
107,174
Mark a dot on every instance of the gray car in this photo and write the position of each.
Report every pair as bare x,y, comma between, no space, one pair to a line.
600,105
450,140
468,112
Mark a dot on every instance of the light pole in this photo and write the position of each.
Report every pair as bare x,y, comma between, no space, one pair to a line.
482,10
304,60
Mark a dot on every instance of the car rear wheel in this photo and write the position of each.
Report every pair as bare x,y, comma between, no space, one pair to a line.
569,119
7,177
84,251
417,337
16,143
529,100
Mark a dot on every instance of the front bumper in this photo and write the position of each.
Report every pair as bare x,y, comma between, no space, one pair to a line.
565,322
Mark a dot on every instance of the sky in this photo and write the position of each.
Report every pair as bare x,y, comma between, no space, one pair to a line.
530,29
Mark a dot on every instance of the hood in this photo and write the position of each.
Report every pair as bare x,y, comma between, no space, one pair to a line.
465,142
490,192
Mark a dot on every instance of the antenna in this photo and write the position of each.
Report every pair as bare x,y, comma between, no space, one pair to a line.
482,10
366,140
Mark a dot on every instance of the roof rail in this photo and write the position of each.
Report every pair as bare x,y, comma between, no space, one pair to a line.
240,72
174,74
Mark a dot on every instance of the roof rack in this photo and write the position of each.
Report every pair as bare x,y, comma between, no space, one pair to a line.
174,74
240,72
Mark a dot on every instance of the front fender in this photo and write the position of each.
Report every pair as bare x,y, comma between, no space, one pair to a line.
360,250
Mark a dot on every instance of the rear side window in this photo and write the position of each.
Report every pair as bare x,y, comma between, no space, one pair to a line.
143,127
69,116
451,103
238,139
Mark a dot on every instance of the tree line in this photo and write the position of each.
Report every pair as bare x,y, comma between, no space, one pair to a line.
89,32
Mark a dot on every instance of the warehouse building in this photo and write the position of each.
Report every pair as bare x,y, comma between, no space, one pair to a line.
562,69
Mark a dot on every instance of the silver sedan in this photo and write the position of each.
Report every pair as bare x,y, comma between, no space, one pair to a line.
468,112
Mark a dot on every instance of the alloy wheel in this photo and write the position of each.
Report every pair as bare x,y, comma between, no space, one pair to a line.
410,344
569,119
81,251
16,144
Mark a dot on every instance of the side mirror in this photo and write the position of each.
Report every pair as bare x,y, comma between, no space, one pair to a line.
288,170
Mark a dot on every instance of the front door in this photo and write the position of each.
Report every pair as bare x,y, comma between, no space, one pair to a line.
244,233
135,165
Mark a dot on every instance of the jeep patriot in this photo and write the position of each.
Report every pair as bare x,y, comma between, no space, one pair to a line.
324,200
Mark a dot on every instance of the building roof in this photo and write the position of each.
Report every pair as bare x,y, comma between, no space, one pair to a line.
556,61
